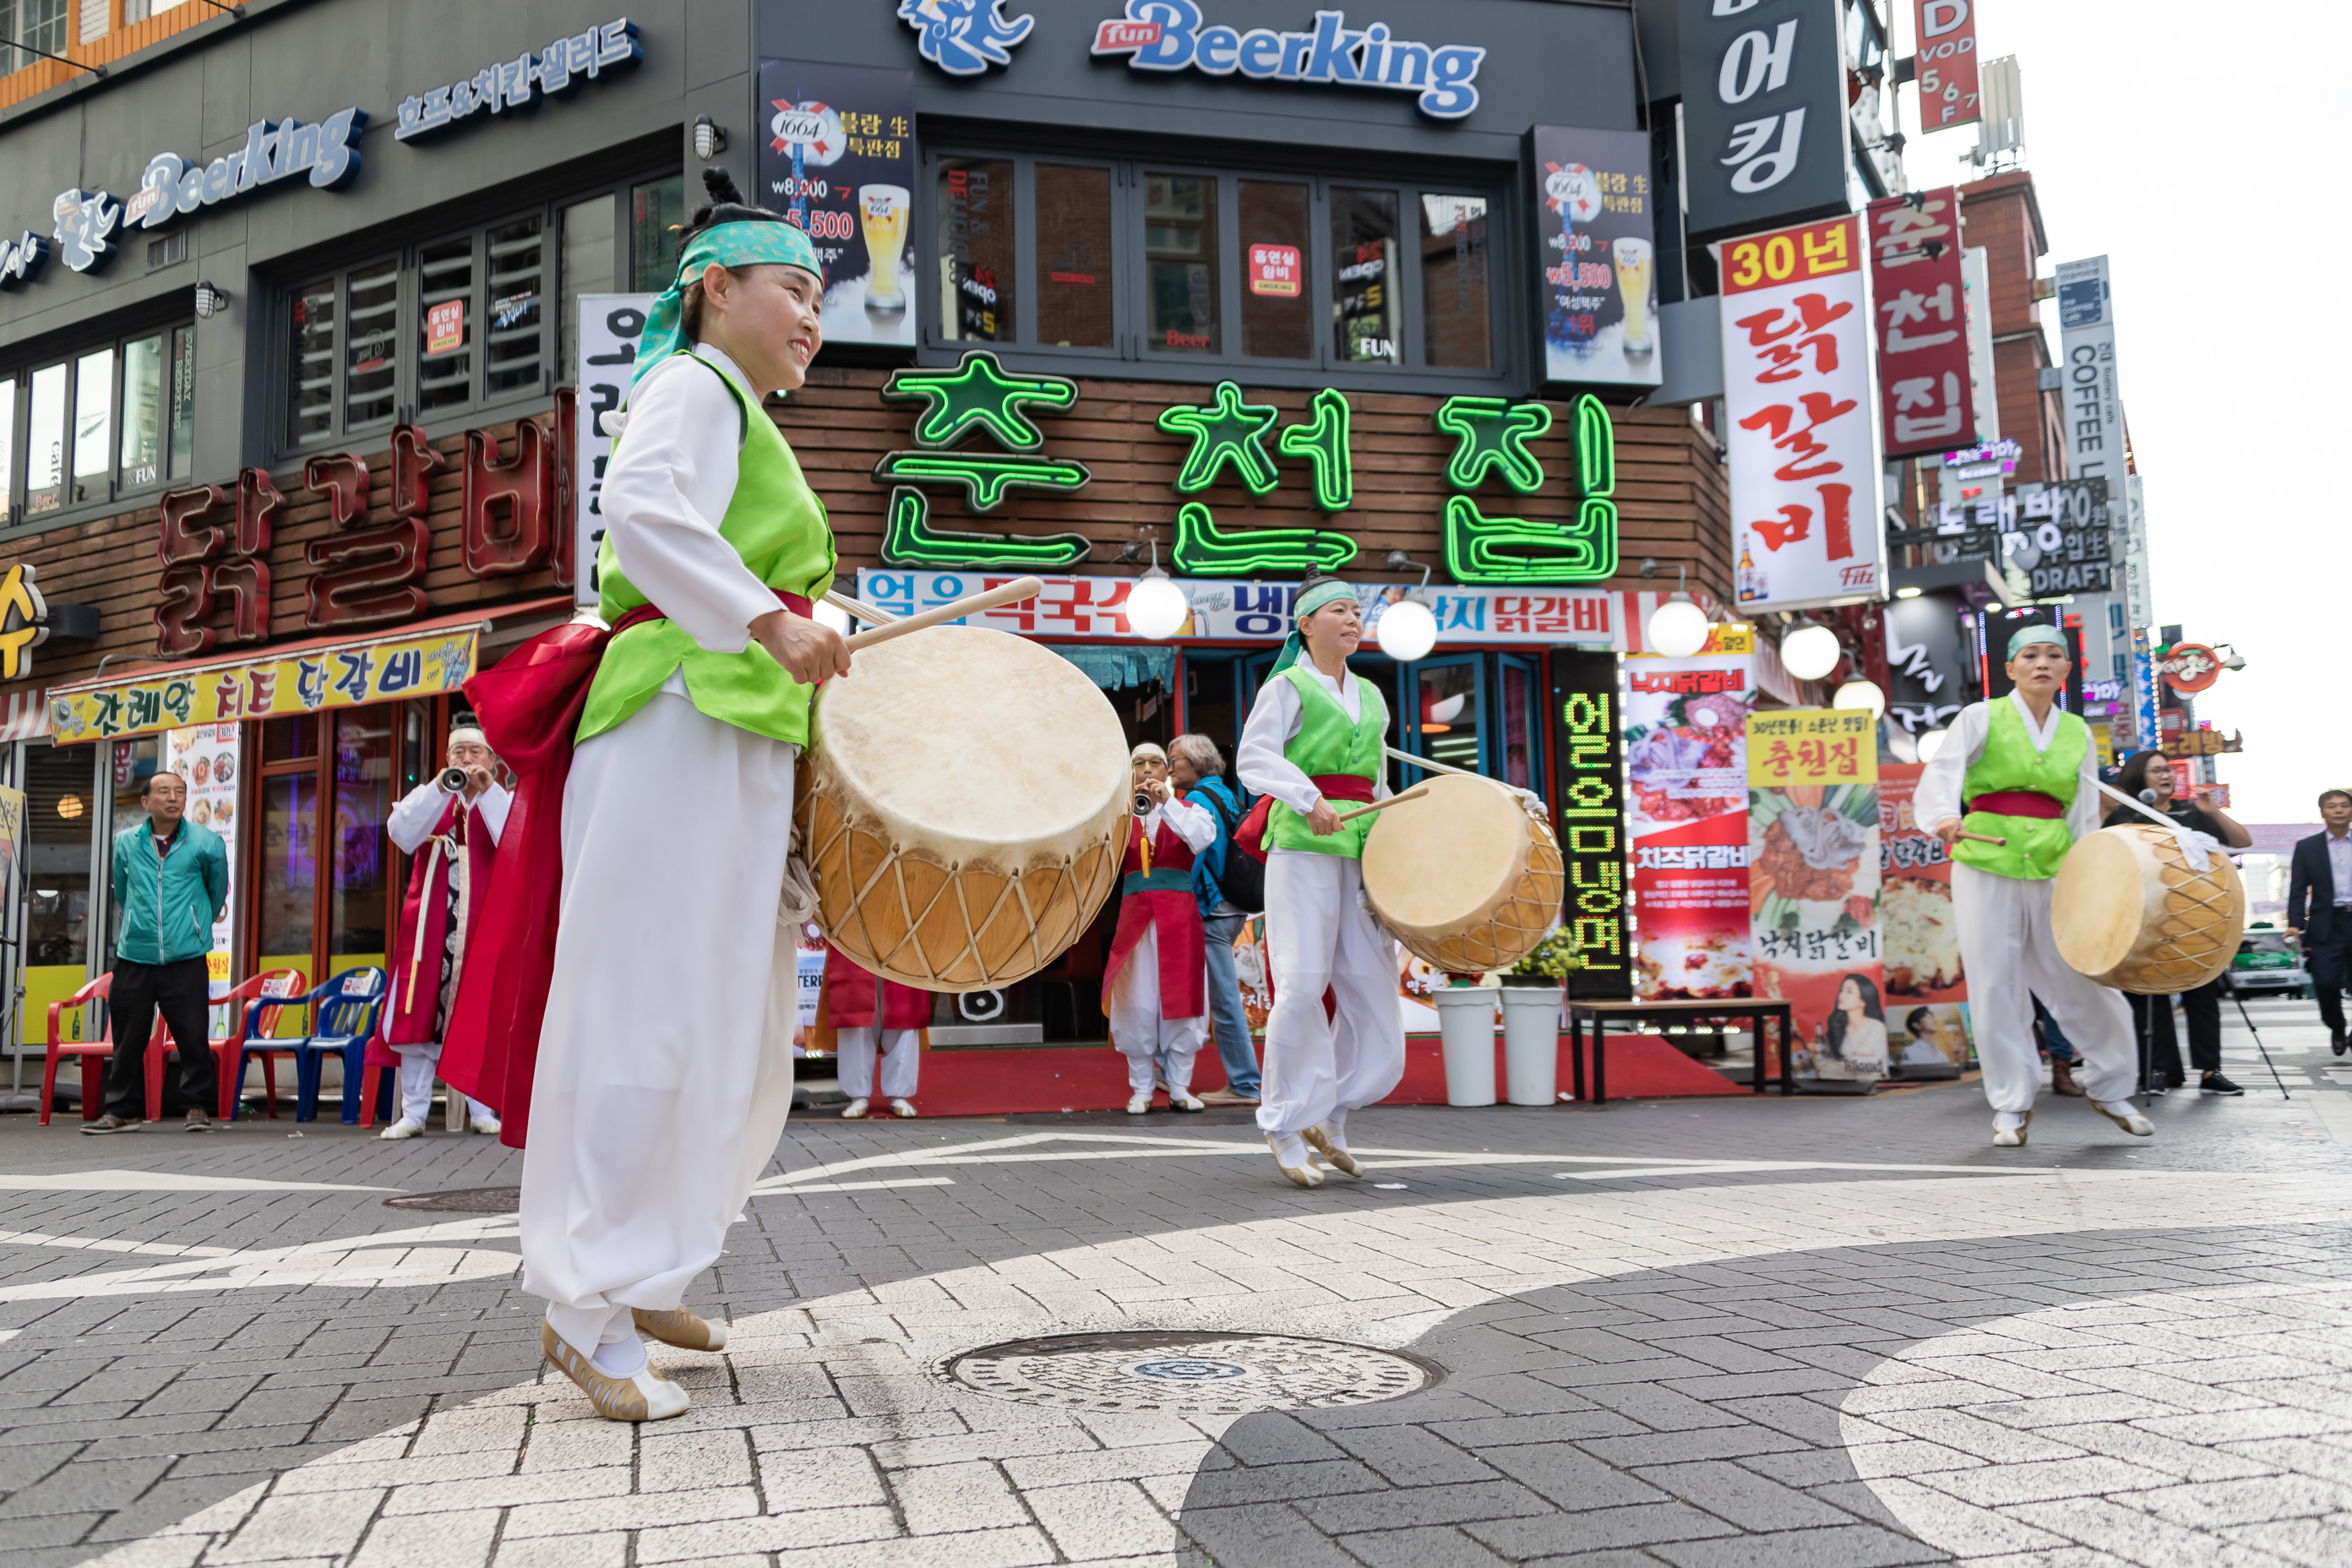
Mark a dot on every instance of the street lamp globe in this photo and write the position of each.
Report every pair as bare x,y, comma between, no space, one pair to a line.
1810,651
1407,631
1678,628
1155,607
1860,693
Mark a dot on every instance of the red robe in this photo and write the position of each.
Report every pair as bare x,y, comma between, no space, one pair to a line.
850,990
1172,911
415,1006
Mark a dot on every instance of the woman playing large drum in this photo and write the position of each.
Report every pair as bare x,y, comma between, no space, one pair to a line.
2024,771
1315,736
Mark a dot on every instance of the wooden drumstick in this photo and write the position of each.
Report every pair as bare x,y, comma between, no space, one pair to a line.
1415,792
862,611
1011,592
1983,838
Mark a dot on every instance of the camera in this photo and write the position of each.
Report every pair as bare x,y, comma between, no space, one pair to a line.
453,780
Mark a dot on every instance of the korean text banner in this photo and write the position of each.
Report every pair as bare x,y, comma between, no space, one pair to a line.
1926,988
1925,398
1584,704
1595,223
610,326
419,665
837,157
1946,35
1804,463
1686,770
1764,112
1814,882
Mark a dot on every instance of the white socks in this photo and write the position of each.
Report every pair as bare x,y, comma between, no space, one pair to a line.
621,1358
2007,1121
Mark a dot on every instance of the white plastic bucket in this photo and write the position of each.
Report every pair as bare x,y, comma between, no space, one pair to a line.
1465,1022
1531,1044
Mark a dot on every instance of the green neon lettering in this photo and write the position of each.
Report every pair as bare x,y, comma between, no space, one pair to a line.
1596,448
1205,549
1324,444
1491,433
977,395
1516,551
1233,432
910,539
985,480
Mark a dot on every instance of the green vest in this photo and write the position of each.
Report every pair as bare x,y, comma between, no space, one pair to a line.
1328,741
777,525
2036,844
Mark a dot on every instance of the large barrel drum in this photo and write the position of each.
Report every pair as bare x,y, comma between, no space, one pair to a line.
2130,911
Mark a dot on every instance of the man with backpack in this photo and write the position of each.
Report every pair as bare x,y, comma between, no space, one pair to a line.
1231,887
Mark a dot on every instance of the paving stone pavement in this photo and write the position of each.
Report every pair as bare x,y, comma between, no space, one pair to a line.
1683,1332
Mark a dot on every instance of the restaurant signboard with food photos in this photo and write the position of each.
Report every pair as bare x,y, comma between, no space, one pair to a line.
1687,773
1919,937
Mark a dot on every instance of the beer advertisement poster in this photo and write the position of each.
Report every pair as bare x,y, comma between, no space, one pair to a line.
1813,885
1686,773
1595,217
1927,987
837,157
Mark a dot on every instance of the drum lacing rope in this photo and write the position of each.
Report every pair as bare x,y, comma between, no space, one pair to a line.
2193,844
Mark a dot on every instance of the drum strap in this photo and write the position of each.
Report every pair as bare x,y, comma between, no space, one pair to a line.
2020,802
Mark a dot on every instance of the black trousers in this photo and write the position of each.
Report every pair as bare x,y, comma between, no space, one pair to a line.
2203,1006
2330,963
183,991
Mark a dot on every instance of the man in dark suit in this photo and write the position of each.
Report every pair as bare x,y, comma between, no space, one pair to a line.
2322,875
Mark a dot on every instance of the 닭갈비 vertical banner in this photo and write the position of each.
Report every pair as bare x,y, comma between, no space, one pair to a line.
1813,884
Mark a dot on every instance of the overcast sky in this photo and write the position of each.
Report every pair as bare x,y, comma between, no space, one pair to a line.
2199,147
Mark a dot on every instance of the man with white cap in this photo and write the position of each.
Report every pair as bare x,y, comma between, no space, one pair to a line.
450,832
2014,785
1153,988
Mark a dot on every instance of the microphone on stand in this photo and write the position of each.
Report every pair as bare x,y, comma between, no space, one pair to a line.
2149,797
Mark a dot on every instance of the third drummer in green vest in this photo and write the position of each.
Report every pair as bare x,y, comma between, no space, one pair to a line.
1315,742
2013,785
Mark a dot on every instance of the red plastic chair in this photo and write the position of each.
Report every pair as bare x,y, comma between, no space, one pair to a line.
93,1094
226,1048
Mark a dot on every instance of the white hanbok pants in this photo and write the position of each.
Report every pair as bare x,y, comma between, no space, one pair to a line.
1156,1048
1319,936
902,1060
417,1065
2011,957
666,1064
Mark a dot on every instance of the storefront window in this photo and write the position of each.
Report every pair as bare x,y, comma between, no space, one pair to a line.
359,906
517,281
129,765
1364,273
45,442
311,361
144,411
93,448
1074,257
7,444
976,229
657,212
58,814
1180,249
286,894
372,344
1447,721
444,374
1519,720
181,391
1278,311
587,270
1456,321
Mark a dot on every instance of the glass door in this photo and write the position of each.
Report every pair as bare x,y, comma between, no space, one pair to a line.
1520,722
321,865
60,787
1445,712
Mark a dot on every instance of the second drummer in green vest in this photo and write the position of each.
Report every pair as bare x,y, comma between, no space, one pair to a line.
1315,742
2021,769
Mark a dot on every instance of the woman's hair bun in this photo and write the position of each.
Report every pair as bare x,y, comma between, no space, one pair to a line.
721,186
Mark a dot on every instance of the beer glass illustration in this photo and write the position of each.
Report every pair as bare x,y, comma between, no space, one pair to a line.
1632,258
882,213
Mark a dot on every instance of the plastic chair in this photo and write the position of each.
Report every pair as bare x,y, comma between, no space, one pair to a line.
227,1049
93,1095
348,1009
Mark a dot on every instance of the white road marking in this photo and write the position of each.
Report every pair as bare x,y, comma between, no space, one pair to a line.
165,1182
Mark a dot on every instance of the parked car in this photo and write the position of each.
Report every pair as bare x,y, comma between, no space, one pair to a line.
2269,963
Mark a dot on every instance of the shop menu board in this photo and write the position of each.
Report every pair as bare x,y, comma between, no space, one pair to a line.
1595,224
208,757
837,157
610,328
1813,881
1686,770
1584,705
1926,988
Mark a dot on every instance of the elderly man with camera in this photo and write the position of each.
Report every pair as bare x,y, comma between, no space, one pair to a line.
449,827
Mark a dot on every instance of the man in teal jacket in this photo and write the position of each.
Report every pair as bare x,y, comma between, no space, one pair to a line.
171,881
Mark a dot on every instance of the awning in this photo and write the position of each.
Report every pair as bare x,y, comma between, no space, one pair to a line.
26,717
422,658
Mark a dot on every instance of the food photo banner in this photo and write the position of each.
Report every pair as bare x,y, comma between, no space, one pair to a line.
837,157
1595,222
1686,773
1926,988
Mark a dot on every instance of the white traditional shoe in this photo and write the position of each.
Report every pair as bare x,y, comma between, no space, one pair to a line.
487,1124
2125,1115
647,1396
855,1111
1183,1099
2011,1137
1333,1146
901,1106
1137,1104
680,1328
1290,1153
404,1128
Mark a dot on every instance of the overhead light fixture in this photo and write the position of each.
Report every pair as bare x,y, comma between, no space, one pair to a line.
1860,693
1908,593
710,137
1677,629
1931,742
1809,651
1155,607
210,301
1407,629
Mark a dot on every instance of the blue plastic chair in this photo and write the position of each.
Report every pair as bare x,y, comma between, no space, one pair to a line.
348,1008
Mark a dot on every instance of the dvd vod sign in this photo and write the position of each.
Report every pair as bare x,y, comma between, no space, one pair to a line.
1584,699
1595,226
837,157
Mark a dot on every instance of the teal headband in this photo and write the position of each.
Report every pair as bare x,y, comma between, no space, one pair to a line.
2040,631
1330,591
746,244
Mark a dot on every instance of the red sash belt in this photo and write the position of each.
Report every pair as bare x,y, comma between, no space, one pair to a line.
2020,802
1250,837
644,613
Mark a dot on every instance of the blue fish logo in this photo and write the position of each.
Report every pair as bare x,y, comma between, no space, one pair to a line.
965,37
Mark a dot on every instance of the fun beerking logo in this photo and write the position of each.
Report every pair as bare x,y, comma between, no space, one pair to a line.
965,37
1168,35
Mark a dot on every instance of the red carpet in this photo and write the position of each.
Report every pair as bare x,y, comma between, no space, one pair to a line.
1094,1077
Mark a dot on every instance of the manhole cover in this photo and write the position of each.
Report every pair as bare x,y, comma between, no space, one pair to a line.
1198,1374
465,1199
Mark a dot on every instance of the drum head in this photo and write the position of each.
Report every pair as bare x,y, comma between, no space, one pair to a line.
2097,901
1442,864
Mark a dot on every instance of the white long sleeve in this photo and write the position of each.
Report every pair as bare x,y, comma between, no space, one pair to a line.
1194,823
1274,718
1937,795
668,485
412,820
